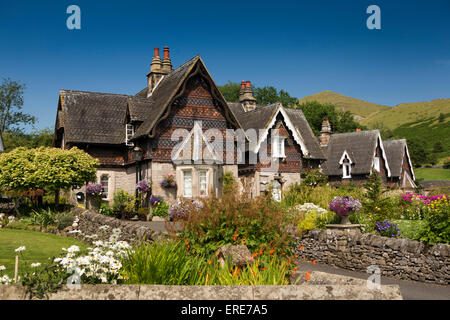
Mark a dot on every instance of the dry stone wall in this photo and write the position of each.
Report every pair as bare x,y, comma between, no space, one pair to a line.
90,222
398,258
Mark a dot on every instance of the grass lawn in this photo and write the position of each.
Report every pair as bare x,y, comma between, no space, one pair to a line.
432,173
39,247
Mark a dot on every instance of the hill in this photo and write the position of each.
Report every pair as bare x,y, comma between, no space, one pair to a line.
360,108
409,112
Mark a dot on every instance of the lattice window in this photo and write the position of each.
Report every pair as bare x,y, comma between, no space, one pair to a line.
129,132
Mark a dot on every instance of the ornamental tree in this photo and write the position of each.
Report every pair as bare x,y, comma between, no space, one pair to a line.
46,168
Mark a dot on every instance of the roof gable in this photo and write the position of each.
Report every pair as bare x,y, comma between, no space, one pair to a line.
396,150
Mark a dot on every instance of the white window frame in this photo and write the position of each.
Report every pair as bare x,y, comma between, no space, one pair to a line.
345,165
128,135
376,163
278,147
184,183
200,172
105,195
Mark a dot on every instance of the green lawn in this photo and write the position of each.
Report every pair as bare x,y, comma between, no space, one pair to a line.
432,173
39,247
410,229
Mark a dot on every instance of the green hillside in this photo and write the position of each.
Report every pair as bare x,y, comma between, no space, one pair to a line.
409,112
360,108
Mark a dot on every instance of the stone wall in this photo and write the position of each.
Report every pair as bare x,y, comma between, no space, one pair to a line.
90,222
398,258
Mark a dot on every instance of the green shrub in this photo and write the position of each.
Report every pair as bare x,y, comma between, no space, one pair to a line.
313,178
172,263
43,217
161,210
64,220
236,218
123,201
106,210
437,218
411,229
228,181
144,211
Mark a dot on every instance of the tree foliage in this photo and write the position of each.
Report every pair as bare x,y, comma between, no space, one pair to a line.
263,95
340,121
45,168
15,139
11,102
419,155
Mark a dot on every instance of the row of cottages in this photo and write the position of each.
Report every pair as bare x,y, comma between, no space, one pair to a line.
181,124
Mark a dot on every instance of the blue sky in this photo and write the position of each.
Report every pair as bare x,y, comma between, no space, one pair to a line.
303,47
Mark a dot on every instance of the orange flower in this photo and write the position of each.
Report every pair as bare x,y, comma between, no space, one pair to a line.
301,247
314,262
209,262
271,251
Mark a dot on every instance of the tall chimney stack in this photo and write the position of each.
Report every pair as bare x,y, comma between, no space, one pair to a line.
325,133
166,63
156,72
246,96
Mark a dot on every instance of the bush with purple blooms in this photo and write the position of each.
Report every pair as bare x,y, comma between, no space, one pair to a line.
183,208
94,189
142,186
169,182
388,229
344,206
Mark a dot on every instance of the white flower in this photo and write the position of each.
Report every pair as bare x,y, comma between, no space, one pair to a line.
19,249
35,265
2,268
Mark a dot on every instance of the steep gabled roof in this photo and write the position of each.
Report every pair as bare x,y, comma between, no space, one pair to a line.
92,117
395,152
360,146
140,109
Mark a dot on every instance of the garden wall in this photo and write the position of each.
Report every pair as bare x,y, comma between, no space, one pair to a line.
90,222
398,258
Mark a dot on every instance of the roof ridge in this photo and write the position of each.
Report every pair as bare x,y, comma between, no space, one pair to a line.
96,92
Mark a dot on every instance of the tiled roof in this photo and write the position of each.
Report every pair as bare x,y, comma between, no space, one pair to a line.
360,146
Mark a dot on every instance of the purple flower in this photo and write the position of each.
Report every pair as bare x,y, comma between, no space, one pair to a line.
142,186
94,189
344,206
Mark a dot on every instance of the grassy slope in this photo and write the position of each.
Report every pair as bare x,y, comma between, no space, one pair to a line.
39,247
409,112
360,108
432,173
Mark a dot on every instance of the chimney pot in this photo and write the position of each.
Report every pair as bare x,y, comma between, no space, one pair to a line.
166,52
242,84
358,129
248,84
156,52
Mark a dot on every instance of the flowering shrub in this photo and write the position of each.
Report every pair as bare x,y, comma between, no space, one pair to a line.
438,221
4,279
142,186
344,206
169,182
94,189
154,200
183,208
388,229
307,207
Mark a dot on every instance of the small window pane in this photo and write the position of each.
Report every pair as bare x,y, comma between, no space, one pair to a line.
187,177
203,182
104,180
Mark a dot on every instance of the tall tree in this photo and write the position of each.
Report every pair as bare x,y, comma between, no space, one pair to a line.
11,102
263,95
35,139
340,121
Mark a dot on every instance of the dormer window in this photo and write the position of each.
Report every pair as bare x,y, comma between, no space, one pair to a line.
129,132
346,164
376,163
278,147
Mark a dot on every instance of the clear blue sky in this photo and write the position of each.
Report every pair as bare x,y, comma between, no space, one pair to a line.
302,47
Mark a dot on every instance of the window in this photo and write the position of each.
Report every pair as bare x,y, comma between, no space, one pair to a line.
346,168
187,183
376,163
278,147
129,132
203,182
104,179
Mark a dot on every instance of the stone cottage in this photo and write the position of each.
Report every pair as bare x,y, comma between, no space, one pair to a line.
181,125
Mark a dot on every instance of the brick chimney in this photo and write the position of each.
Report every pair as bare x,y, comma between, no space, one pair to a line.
246,96
155,74
166,63
325,133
